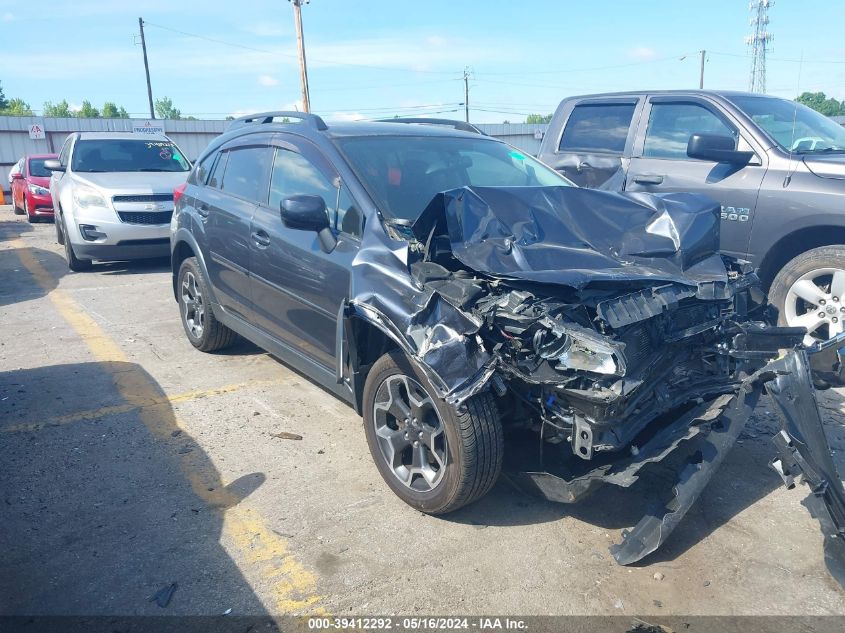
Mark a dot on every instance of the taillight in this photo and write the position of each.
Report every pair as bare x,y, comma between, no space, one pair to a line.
179,192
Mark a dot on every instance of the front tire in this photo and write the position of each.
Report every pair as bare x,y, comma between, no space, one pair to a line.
73,262
809,291
434,457
29,217
202,328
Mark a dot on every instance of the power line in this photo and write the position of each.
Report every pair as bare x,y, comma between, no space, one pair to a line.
593,68
288,55
780,59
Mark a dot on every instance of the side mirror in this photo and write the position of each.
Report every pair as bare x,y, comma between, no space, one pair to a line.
721,149
17,176
308,213
53,165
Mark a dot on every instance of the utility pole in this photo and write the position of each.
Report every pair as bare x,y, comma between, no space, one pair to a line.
701,74
147,68
467,73
300,41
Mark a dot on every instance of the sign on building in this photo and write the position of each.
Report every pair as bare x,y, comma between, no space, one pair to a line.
148,127
36,131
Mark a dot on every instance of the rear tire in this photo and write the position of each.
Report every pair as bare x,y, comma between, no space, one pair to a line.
201,327
434,457
73,262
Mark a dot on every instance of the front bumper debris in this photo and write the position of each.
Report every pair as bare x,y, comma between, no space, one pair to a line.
804,449
702,438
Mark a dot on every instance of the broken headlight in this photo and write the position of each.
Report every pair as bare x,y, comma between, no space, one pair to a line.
573,347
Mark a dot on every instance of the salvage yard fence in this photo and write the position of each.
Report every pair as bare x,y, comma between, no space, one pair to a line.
20,136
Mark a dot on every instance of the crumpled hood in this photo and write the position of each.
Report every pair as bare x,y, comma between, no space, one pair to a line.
826,166
576,237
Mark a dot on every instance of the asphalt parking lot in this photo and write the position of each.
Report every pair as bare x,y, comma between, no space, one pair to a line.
130,462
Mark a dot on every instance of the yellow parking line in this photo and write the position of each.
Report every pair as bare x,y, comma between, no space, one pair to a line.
96,414
267,554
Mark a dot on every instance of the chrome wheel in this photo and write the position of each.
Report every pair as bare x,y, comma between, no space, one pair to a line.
193,308
815,301
410,433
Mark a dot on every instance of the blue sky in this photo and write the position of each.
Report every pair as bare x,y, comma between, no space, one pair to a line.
384,57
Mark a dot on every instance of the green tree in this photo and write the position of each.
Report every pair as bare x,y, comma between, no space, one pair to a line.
17,107
87,111
820,102
60,109
111,111
165,110
538,118
3,103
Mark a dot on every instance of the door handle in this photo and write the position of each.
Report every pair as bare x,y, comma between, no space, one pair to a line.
202,209
648,179
261,239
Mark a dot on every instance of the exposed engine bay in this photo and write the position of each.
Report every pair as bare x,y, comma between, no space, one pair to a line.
609,327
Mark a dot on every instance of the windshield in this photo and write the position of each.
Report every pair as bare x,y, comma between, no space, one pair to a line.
122,155
403,173
36,168
794,126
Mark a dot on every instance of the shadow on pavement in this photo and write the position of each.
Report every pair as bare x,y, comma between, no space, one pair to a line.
136,267
18,283
100,514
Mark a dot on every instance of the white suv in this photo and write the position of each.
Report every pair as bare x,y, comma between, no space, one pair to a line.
113,195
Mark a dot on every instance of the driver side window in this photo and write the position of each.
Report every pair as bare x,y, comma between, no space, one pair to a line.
293,174
671,125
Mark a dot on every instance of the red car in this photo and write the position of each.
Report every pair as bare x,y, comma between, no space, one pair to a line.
31,189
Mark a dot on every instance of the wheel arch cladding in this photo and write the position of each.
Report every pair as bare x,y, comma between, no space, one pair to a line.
367,343
793,244
181,252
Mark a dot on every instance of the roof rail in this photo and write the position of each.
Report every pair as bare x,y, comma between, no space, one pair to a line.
458,125
267,117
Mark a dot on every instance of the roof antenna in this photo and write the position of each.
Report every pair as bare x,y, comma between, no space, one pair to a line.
790,170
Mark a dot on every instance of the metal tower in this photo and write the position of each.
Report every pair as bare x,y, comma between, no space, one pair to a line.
759,43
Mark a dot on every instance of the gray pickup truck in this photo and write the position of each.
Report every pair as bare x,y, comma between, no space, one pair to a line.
776,167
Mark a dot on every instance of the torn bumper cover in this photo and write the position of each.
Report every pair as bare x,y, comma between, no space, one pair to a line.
705,436
803,446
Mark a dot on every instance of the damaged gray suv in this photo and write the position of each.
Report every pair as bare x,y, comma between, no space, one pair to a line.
463,296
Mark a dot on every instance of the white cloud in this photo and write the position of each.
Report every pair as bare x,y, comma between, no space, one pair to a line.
267,80
642,53
75,107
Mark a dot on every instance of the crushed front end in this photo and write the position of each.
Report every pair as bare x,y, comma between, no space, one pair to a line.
614,335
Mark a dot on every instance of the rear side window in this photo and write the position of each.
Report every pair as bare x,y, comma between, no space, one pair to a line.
204,169
598,127
671,125
244,173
